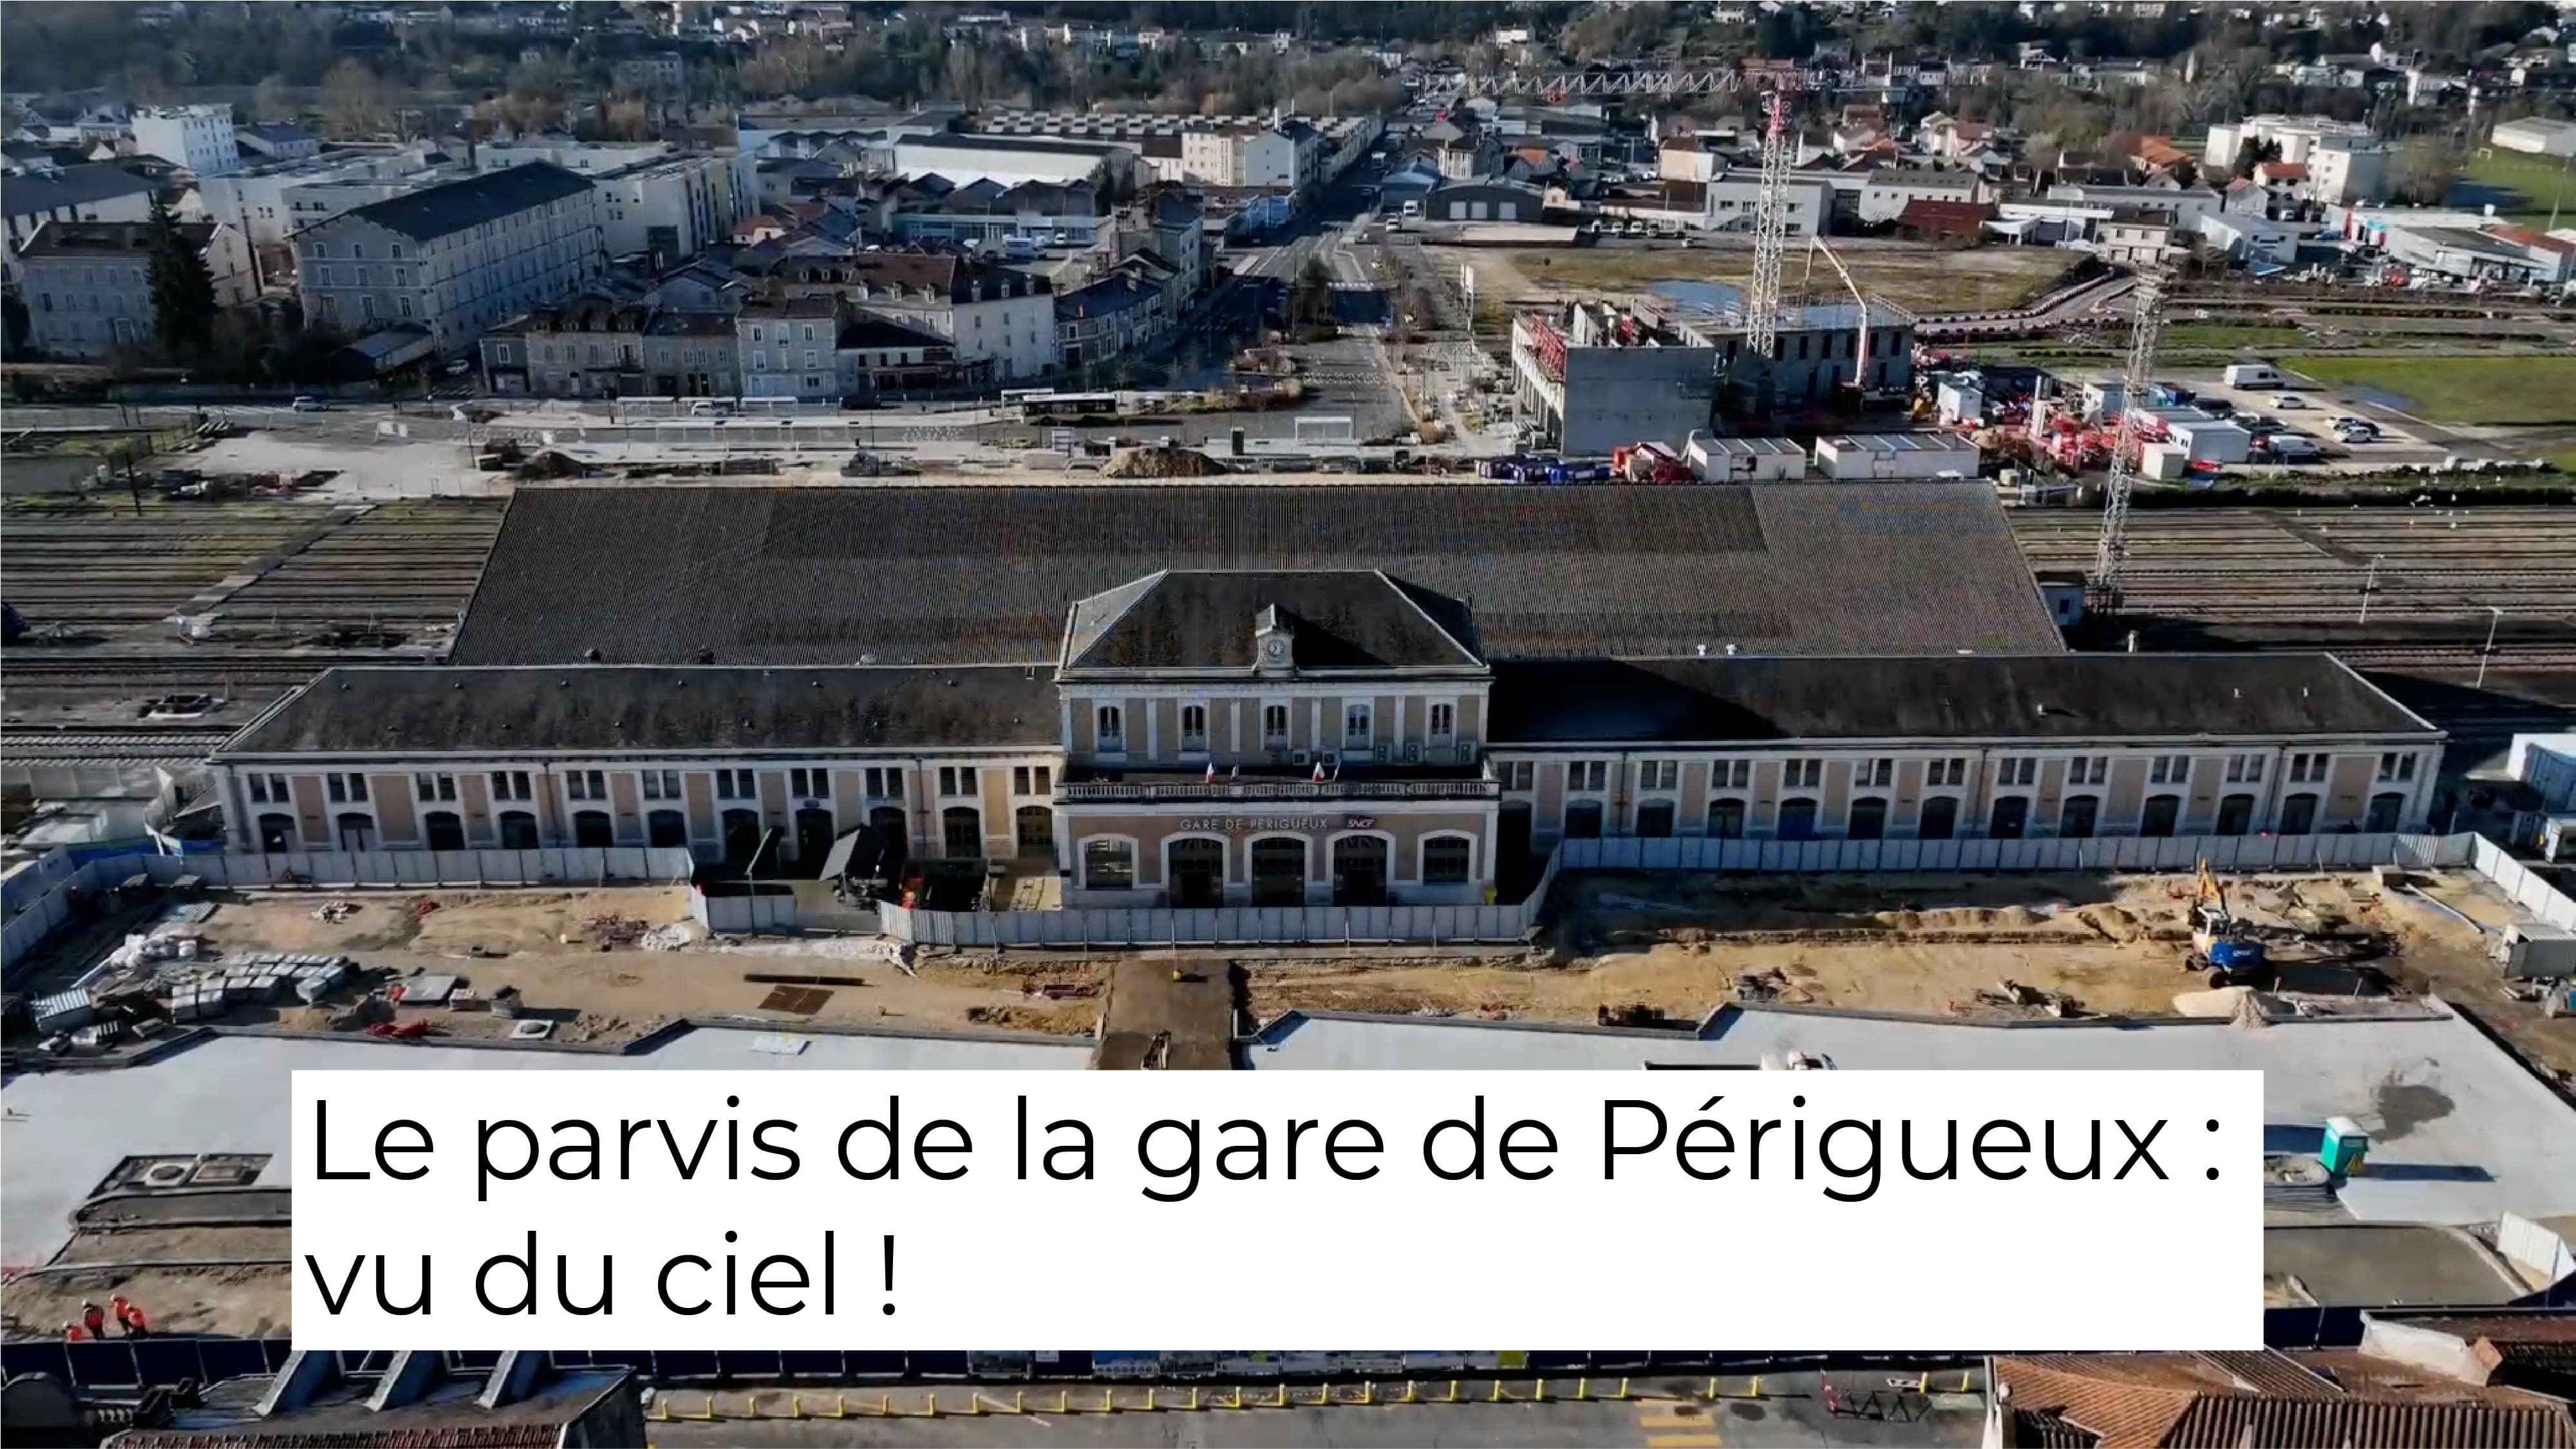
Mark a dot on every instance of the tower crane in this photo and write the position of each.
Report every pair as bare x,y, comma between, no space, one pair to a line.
1770,243
2113,548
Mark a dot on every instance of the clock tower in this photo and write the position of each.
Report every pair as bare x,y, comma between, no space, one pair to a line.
1274,644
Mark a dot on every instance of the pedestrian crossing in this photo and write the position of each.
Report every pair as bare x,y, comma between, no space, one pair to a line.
1677,1424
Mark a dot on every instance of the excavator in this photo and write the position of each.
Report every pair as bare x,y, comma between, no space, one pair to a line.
2221,941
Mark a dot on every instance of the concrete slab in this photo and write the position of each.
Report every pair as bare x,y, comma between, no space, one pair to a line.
2362,1265
65,1131
2461,1132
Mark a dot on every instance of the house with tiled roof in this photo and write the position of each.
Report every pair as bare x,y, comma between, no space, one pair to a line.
2261,1400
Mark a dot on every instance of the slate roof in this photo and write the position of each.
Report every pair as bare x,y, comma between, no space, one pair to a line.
1206,619
435,211
107,238
73,186
2075,696
656,573
599,709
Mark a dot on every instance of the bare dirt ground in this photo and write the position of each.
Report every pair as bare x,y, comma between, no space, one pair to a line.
542,942
1931,945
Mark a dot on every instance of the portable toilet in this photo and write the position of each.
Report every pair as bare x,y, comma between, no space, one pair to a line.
2345,1146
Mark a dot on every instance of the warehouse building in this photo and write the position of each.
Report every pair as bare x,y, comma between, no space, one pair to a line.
1266,716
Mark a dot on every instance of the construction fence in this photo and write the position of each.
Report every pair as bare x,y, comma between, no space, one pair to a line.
2125,853
1221,926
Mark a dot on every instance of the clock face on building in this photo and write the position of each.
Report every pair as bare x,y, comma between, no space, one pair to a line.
1274,650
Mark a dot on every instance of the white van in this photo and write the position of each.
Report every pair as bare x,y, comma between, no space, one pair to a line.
1413,211
2252,374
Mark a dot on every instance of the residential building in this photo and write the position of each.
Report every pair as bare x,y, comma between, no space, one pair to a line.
1101,321
276,141
1166,223
1889,190
988,214
2186,205
1490,200
668,208
2346,161
88,285
199,138
97,191
1001,320
881,358
660,72
586,346
2135,238
2536,136
692,354
789,347
270,200
456,258
1730,200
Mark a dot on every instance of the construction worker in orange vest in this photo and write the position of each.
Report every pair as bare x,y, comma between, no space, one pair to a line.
72,1333
94,1319
131,1318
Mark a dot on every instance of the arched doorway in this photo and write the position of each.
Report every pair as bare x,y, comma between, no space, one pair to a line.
2011,820
2299,814
443,830
1868,818
1196,870
2161,815
1798,818
890,826
814,832
1359,870
1655,818
2384,811
1279,870
1582,819
2235,815
667,830
1726,818
961,832
276,833
1033,826
592,830
357,831
2079,816
518,830
741,837
1940,818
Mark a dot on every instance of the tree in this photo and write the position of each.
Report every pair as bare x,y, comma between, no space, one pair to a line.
1310,297
183,290
353,101
2427,166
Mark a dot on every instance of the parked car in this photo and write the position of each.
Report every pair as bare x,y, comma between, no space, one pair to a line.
2288,401
309,404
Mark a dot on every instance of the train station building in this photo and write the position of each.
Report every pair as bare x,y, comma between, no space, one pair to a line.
1334,695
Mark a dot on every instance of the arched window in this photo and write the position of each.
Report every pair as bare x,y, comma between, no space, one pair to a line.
593,830
443,830
1448,860
1798,818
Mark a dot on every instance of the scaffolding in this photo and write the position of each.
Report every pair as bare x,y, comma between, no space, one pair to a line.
2137,384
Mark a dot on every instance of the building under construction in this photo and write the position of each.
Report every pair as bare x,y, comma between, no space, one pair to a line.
1597,377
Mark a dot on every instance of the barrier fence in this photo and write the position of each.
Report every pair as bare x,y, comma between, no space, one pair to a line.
2131,853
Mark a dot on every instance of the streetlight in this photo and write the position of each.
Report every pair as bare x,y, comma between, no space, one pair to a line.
2369,585
2498,618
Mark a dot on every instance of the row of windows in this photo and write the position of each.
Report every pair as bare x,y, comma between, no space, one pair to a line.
2079,816
879,782
2011,771
1358,726
1109,862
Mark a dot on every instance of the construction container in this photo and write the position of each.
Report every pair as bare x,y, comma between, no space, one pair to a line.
1896,455
1959,402
2211,440
2536,949
2167,462
2346,1146
1744,460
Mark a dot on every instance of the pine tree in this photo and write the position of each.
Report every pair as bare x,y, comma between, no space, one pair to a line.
183,290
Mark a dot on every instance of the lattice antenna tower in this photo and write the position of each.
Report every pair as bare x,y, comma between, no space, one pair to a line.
1770,236
2135,385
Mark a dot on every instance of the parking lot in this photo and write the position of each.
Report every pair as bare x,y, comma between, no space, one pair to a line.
2402,441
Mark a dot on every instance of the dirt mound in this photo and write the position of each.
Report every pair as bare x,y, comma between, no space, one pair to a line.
1162,463
2112,922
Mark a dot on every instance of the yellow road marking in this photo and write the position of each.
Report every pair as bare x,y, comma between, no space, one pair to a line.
1683,1441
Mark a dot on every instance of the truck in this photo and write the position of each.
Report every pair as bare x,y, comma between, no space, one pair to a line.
2252,374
